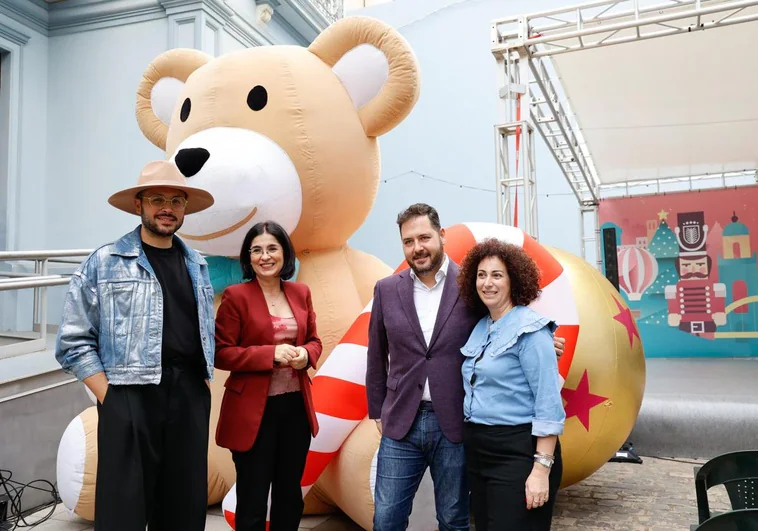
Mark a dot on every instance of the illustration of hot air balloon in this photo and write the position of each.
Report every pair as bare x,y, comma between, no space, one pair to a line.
637,270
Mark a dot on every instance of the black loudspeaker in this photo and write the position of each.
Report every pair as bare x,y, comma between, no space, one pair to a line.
611,258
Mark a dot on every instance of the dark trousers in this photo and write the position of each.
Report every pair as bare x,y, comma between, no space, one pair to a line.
401,466
275,462
499,460
152,466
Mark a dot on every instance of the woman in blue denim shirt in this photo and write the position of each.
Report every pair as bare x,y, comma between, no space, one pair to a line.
513,410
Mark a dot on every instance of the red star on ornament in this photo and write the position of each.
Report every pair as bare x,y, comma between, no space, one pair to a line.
579,401
625,318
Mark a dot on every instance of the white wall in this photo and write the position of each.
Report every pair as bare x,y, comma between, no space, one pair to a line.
353,5
23,204
79,141
95,145
449,135
31,140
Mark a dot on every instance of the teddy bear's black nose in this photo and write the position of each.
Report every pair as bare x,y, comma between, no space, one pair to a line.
191,160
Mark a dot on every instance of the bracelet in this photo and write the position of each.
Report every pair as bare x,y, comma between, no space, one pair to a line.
543,460
545,455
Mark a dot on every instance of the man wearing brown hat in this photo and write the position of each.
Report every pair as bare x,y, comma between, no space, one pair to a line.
138,330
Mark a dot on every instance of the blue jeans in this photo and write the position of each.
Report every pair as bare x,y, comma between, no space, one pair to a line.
401,466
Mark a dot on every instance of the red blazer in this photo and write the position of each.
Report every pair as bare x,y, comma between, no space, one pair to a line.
245,347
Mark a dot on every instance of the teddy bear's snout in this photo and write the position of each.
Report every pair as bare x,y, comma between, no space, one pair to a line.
191,160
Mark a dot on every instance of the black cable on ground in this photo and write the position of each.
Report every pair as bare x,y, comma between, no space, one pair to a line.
15,490
673,459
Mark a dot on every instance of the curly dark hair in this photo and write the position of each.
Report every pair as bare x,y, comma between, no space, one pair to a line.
522,270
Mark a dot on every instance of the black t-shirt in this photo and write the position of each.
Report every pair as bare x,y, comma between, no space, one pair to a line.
181,329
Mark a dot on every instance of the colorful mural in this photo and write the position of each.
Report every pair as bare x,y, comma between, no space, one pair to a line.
688,269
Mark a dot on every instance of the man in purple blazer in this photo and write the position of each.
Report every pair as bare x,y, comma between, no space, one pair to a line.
413,378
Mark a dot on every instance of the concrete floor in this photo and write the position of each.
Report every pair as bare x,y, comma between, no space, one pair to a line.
658,495
61,521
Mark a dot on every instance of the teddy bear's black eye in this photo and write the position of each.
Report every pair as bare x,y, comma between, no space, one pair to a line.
257,98
186,108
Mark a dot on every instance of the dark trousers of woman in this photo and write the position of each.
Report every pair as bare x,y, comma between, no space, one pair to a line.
499,460
276,461
152,466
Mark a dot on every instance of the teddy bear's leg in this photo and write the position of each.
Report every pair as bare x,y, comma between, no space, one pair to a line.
317,501
221,473
76,465
350,478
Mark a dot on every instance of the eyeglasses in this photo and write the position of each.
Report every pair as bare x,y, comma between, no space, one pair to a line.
257,251
158,201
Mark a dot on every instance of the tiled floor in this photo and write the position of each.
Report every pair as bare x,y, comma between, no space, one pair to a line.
658,495
61,521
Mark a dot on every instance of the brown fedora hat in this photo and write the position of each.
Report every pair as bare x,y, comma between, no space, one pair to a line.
162,173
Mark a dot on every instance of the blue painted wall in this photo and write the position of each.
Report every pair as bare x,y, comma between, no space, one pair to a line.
81,140
450,135
78,139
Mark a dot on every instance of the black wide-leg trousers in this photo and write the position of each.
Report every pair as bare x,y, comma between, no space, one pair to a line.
152,464
499,460
275,463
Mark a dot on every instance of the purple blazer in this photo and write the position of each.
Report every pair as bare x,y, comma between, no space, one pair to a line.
395,330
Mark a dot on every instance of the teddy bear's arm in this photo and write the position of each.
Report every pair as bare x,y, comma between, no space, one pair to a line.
367,270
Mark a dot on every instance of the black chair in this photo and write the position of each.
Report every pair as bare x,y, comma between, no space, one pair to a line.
740,520
738,472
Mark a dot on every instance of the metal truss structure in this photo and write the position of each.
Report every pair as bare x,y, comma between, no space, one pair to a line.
533,98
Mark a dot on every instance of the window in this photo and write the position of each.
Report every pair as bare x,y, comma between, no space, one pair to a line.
4,143
739,291
736,250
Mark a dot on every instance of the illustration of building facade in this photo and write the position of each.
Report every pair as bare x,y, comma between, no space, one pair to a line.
738,271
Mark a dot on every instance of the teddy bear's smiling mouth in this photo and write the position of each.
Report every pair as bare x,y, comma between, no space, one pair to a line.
222,232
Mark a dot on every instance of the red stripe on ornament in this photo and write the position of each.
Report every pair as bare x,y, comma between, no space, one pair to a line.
357,334
339,398
571,334
550,268
314,466
229,517
458,242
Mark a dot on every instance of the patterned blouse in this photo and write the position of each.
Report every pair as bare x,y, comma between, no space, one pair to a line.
284,379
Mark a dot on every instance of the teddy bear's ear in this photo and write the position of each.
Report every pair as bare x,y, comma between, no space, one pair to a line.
160,87
376,66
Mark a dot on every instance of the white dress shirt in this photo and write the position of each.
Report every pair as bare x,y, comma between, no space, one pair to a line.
427,302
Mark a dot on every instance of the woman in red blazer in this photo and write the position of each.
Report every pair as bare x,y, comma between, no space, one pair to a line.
266,337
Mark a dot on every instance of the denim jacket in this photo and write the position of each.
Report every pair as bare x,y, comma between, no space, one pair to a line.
113,314
510,373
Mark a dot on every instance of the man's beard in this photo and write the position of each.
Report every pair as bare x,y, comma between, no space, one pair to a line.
152,226
434,263
688,276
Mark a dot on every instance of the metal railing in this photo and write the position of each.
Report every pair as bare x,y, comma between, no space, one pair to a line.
38,279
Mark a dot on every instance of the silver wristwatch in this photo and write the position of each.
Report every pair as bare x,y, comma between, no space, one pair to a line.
543,460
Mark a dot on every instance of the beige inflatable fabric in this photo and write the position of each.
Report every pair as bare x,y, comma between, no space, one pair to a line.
85,506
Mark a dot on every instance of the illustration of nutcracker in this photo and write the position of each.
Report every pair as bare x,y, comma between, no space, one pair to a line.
695,303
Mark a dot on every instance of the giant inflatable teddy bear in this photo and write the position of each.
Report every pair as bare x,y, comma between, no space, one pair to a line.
290,134
277,132
286,133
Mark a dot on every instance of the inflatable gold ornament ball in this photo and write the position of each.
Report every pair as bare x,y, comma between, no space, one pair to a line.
604,387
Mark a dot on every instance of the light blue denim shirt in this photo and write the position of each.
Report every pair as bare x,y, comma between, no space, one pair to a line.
510,373
113,314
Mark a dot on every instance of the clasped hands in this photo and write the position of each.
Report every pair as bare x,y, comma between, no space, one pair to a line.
291,356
